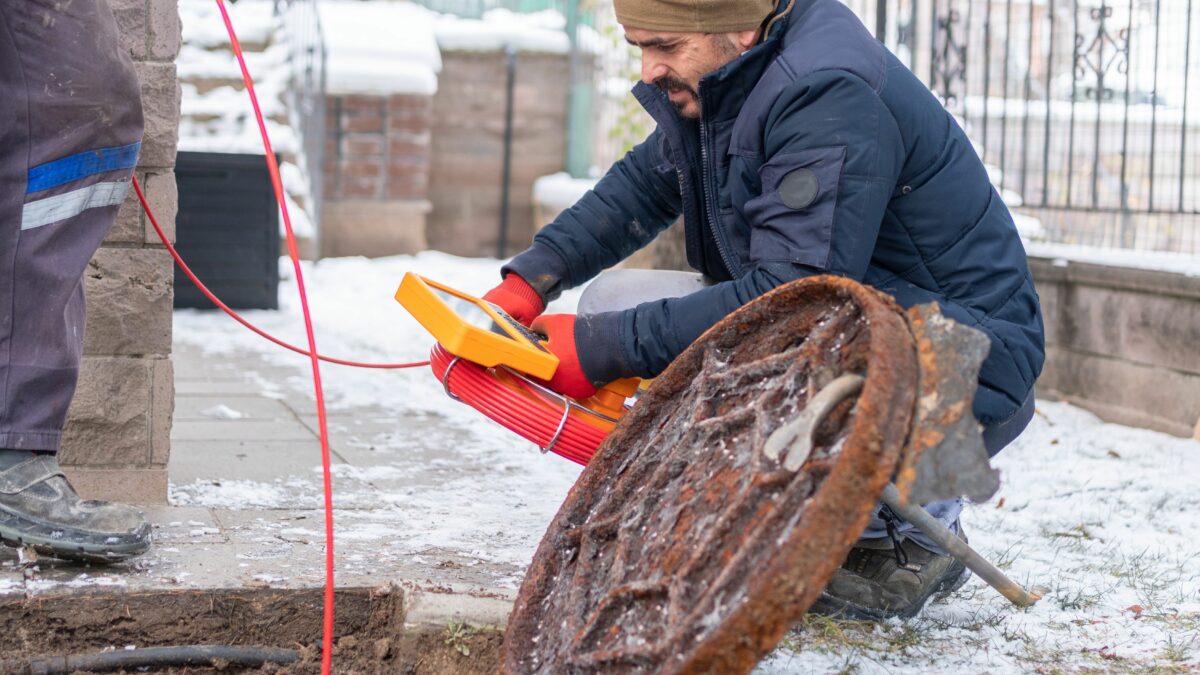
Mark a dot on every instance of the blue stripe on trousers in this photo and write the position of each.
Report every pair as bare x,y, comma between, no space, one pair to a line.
81,165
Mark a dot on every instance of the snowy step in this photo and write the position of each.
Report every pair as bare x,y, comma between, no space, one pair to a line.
215,110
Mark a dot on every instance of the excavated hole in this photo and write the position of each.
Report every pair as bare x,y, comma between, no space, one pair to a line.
370,635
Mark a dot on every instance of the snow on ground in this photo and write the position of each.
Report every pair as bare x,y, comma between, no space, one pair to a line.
491,494
1101,515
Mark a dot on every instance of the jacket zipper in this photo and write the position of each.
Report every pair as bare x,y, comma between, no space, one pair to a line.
668,118
709,202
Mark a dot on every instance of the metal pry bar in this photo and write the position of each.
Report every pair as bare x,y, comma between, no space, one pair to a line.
796,438
942,536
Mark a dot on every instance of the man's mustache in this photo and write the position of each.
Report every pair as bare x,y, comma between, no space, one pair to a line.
668,82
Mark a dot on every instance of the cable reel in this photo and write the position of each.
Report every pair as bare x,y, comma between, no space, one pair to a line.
487,360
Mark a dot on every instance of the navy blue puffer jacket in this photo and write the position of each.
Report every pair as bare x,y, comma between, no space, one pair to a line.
816,152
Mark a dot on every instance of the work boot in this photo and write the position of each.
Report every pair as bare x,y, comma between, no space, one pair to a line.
39,508
889,577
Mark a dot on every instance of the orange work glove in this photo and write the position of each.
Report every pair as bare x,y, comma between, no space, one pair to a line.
516,297
569,379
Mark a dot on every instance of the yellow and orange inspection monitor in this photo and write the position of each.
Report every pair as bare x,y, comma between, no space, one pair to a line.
463,324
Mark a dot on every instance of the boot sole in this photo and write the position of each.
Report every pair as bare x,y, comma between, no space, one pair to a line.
952,580
17,530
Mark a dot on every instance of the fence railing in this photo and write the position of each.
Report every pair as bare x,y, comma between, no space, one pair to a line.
307,58
1086,109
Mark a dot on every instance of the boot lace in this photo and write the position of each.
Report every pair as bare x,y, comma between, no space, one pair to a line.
889,519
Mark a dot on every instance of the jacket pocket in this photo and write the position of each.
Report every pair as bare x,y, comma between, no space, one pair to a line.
792,220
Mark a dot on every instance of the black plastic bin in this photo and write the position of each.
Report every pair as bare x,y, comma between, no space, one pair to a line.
227,230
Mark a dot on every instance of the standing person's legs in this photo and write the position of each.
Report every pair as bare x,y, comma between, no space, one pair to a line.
73,125
70,132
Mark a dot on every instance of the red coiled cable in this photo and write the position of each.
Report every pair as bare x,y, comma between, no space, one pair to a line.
518,406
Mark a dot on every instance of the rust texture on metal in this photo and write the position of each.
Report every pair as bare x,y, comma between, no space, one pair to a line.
684,547
945,457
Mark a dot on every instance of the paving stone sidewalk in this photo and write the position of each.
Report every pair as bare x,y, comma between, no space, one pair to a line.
246,502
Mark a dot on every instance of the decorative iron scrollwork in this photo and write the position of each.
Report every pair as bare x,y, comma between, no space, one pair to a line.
1103,51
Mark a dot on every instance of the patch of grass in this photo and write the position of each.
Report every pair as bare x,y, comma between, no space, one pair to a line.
456,635
1076,538
976,623
1007,557
900,639
849,666
1176,622
1157,580
791,642
823,632
857,639
1178,652
1076,597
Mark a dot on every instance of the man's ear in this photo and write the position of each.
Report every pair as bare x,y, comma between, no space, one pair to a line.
744,39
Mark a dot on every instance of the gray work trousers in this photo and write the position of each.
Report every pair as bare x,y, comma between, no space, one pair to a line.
624,289
70,133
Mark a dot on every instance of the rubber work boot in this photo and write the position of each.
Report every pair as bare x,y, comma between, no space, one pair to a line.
883,578
39,508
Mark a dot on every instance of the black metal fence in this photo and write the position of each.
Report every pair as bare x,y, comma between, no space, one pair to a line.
1085,110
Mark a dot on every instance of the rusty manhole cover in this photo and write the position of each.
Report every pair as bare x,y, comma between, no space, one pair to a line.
684,547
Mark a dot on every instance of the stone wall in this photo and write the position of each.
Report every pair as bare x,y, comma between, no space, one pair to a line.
468,147
117,437
1123,343
376,174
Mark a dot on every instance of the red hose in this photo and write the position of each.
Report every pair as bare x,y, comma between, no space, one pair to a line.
187,271
322,422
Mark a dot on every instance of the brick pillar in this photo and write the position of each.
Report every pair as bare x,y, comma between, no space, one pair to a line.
468,147
118,432
377,156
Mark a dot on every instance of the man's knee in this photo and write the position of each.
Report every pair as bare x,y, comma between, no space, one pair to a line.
618,290
997,435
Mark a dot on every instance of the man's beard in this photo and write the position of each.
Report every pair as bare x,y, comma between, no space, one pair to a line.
669,82
725,53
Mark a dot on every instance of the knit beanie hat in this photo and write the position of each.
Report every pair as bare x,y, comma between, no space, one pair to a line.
693,16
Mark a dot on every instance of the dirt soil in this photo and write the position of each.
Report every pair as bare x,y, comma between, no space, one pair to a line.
370,633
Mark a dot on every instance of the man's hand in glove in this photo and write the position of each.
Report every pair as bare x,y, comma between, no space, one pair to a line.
516,297
569,379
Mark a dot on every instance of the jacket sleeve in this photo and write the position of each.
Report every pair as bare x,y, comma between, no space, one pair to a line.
635,201
833,154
